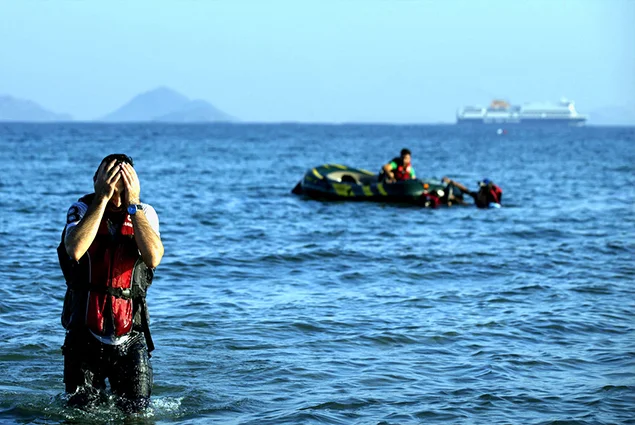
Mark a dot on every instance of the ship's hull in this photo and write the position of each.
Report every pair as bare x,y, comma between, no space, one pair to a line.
574,122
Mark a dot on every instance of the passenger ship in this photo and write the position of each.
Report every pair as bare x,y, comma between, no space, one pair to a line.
502,112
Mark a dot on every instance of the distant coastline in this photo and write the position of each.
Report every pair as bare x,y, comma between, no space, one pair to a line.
89,123
159,105
13,109
165,105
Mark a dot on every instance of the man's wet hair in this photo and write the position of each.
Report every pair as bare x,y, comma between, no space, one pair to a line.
405,152
120,157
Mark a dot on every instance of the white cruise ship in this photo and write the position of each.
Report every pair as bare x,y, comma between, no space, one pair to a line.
502,112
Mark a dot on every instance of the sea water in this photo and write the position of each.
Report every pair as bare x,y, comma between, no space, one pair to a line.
272,309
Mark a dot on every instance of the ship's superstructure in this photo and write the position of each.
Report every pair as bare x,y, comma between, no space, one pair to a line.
502,112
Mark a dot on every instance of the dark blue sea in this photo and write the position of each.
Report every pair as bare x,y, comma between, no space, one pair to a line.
272,309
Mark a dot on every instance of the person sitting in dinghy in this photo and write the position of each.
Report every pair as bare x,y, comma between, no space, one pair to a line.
399,169
489,195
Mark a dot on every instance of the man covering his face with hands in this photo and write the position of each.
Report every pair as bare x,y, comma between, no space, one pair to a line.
110,247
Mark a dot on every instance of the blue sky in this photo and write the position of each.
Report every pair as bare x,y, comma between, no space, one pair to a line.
325,61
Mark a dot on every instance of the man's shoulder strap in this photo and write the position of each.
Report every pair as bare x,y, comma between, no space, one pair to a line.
87,199
66,264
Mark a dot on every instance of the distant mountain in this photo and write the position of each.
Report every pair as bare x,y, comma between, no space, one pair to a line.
612,115
13,109
196,111
166,105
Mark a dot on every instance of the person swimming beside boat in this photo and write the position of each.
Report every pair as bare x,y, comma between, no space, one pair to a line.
489,195
399,169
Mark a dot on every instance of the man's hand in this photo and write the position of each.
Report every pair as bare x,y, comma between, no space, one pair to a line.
390,176
106,181
131,182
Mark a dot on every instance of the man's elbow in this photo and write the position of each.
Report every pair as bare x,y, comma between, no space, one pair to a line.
153,263
154,259
73,253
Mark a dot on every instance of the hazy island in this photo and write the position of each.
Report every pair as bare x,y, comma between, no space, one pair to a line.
22,110
159,105
166,105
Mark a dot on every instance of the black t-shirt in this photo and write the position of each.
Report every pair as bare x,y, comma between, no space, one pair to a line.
479,200
482,198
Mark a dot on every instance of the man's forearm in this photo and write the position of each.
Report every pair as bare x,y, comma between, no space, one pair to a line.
80,237
148,241
388,171
460,186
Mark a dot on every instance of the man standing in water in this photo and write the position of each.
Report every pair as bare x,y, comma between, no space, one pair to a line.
109,250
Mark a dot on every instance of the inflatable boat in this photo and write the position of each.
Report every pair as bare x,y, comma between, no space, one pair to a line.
339,182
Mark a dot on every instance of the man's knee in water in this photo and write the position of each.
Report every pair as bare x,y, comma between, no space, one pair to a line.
132,381
83,381
85,396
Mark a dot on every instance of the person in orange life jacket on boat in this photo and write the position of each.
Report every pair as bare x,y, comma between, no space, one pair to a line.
110,247
489,195
399,169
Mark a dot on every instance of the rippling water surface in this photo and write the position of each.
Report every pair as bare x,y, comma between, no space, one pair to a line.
271,309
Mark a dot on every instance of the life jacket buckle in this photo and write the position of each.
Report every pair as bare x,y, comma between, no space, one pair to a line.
120,293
